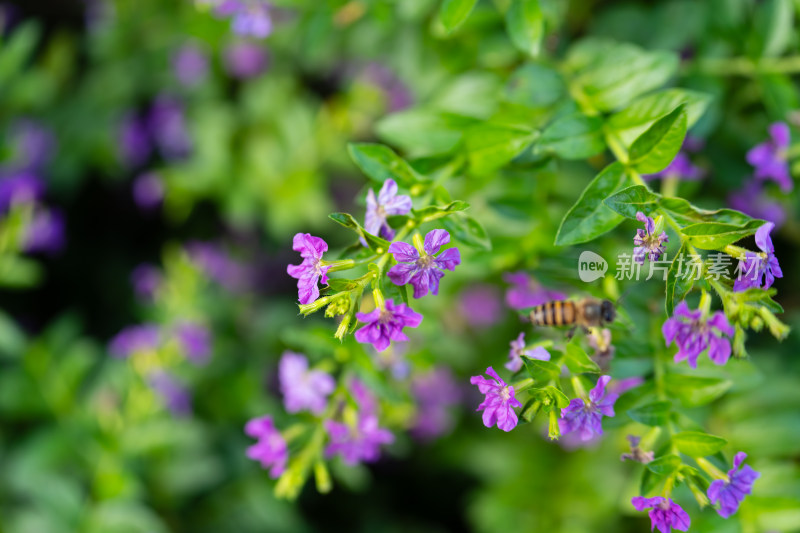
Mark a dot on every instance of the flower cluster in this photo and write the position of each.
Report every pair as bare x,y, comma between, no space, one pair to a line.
518,349
648,242
420,265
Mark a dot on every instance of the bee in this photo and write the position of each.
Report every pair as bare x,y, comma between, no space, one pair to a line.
586,313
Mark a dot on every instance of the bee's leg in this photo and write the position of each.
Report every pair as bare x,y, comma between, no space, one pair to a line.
571,332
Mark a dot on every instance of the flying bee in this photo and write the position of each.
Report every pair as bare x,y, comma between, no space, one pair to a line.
585,313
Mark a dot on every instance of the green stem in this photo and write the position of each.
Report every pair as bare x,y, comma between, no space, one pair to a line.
742,66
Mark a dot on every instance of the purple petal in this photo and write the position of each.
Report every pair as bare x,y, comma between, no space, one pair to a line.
779,132
434,240
403,252
763,240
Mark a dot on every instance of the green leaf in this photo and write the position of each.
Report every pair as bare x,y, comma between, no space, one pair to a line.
577,360
16,49
453,13
558,399
468,231
666,465
535,86
490,146
652,414
17,272
694,391
654,149
525,25
380,163
632,121
678,286
424,132
715,236
376,244
433,212
573,137
774,27
685,213
697,443
629,201
589,217
541,371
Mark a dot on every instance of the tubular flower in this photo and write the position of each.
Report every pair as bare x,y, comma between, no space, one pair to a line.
756,267
270,450
387,203
498,406
769,158
357,443
515,362
309,272
526,292
423,268
386,325
303,389
586,417
729,494
694,333
664,513
647,242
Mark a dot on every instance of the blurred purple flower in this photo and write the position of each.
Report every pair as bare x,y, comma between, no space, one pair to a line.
752,200
135,144
195,340
731,492
148,191
693,334
498,405
435,392
271,449
146,280
636,454
167,124
646,242
621,386
303,389
357,443
383,326
769,158
176,397
35,144
395,361
526,292
424,270
515,362
245,60
759,270
248,17
387,203
366,401
585,417
397,93
45,233
20,187
219,266
309,272
190,64
664,513
480,305
133,339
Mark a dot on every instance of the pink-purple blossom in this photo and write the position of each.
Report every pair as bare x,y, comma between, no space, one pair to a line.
20,187
190,65
435,392
526,292
146,280
515,362
498,405
134,141
251,18
664,513
218,265
358,443
423,268
134,339
730,493
480,305
752,200
167,124
303,389
173,393
271,449
387,203
585,416
385,325
694,333
245,60
148,191
311,270
769,158
45,232
195,341
759,270
646,242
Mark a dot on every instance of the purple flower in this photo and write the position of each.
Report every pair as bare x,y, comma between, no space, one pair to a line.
133,339
515,362
146,280
647,242
752,200
175,396
357,443
303,389
167,123
271,449
45,232
527,292
366,401
423,271
435,392
21,187
586,417
195,340
148,191
637,454
480,305
218,265
729,494
309,272
35,144
498,406
386,325
387,203
693,334
245,60
755,267
134,140
664,513
397,93
190,64
248,18
769,158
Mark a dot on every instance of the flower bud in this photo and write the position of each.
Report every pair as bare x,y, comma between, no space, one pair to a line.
756,324
313,307
338,306
553,431
341,331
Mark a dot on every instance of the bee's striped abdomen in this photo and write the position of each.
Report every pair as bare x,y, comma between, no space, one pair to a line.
556,313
